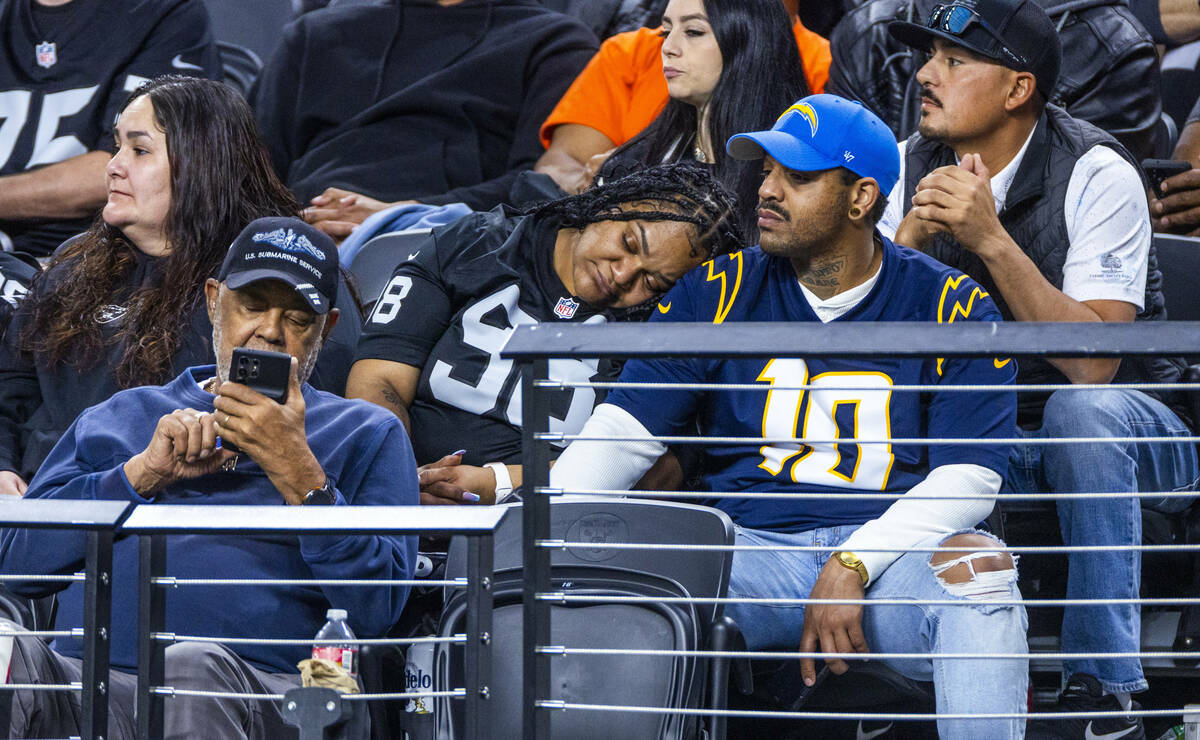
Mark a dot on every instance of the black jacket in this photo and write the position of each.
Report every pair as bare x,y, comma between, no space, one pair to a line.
1035,216
414,100
1110,74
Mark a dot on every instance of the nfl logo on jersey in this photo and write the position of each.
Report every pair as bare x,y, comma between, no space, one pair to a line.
47,54
566,308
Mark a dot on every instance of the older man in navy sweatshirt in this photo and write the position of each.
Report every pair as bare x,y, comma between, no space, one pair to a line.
160,445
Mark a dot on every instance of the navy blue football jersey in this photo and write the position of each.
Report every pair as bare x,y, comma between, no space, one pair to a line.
849,398
450,308
62,84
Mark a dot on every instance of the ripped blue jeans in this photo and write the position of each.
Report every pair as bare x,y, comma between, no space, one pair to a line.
961,686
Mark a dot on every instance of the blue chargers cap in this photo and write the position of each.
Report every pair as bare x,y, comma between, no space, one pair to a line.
822,132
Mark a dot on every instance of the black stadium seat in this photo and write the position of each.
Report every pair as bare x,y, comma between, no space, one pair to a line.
605,679
255,25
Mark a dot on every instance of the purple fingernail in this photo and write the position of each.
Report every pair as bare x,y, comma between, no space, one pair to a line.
468,496
459,452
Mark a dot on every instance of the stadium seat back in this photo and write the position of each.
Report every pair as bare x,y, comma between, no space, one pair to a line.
1179,262
673,681
256,26
240,66
373,264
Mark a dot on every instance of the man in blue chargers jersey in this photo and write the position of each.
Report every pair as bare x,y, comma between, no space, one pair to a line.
826,164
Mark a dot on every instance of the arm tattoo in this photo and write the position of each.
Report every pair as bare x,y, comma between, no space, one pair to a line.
392,397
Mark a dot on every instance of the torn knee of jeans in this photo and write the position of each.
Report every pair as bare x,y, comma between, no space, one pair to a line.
977,576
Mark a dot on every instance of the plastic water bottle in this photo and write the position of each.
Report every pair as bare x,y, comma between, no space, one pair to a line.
344,654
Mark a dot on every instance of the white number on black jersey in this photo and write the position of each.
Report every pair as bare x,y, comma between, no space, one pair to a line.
499,374
48,146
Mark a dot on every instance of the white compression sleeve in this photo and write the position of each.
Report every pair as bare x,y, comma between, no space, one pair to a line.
910,520
608,465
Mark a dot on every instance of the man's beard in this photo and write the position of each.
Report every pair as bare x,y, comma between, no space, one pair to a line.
305,370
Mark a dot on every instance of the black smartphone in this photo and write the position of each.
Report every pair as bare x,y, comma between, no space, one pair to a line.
263,371
260,370
1158,170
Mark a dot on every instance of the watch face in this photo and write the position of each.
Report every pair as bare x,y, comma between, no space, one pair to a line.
319,496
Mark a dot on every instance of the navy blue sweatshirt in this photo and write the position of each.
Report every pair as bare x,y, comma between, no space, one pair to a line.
365,454
38,401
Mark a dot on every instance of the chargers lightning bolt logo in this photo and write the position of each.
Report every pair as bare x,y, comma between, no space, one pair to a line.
806,112
949,311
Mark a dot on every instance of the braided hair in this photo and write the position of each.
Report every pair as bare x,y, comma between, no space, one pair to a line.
683,191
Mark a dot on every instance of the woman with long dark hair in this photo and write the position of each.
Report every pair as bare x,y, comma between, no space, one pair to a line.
731,66
122,305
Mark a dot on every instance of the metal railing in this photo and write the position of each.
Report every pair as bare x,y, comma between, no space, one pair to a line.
98,521
154,524
533,347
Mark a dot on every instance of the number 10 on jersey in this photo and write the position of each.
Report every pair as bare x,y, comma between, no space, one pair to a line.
841,405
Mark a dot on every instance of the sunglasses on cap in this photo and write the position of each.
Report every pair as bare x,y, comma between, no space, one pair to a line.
957,20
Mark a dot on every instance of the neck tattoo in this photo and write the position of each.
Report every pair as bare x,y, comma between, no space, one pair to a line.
826,275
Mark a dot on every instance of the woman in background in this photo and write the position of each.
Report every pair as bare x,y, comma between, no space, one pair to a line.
121,305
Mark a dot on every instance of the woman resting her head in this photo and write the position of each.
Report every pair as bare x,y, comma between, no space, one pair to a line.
430,350
122,304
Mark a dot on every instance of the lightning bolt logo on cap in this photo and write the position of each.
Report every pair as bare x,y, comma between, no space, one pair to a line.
807,113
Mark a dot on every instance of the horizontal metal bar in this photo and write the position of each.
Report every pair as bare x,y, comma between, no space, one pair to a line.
949,388
560,650
861,339
73,686
874,716
73,632
172,637
1039,549
897,441
29,513
172,691
47,578
172,581
561,597
202,519
451,694
906,495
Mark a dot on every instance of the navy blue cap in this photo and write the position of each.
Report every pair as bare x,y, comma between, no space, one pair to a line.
284,249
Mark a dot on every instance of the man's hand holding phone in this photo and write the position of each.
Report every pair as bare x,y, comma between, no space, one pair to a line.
271,433
1175,200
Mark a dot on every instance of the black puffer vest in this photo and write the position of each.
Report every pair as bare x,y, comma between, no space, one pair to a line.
1034,216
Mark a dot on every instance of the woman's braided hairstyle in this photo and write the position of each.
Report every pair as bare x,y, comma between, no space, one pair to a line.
683,191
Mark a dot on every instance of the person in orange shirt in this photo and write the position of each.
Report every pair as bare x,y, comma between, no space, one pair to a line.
623,89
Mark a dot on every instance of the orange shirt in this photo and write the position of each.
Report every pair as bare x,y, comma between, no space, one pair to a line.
622,89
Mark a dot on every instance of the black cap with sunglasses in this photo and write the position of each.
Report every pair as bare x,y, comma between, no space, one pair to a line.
1015,33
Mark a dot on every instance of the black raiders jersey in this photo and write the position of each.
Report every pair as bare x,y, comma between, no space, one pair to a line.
60,90
16,274
450,308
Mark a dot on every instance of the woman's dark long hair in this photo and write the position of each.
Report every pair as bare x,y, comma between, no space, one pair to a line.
761,75
221,179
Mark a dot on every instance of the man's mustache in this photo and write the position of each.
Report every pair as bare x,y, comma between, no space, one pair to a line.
778,210
927,93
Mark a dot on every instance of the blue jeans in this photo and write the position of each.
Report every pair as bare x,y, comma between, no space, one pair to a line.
975,626
1104,467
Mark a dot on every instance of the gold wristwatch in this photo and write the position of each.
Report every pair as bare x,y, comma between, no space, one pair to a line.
849,560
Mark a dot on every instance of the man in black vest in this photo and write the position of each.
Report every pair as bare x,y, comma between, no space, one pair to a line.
1060,232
